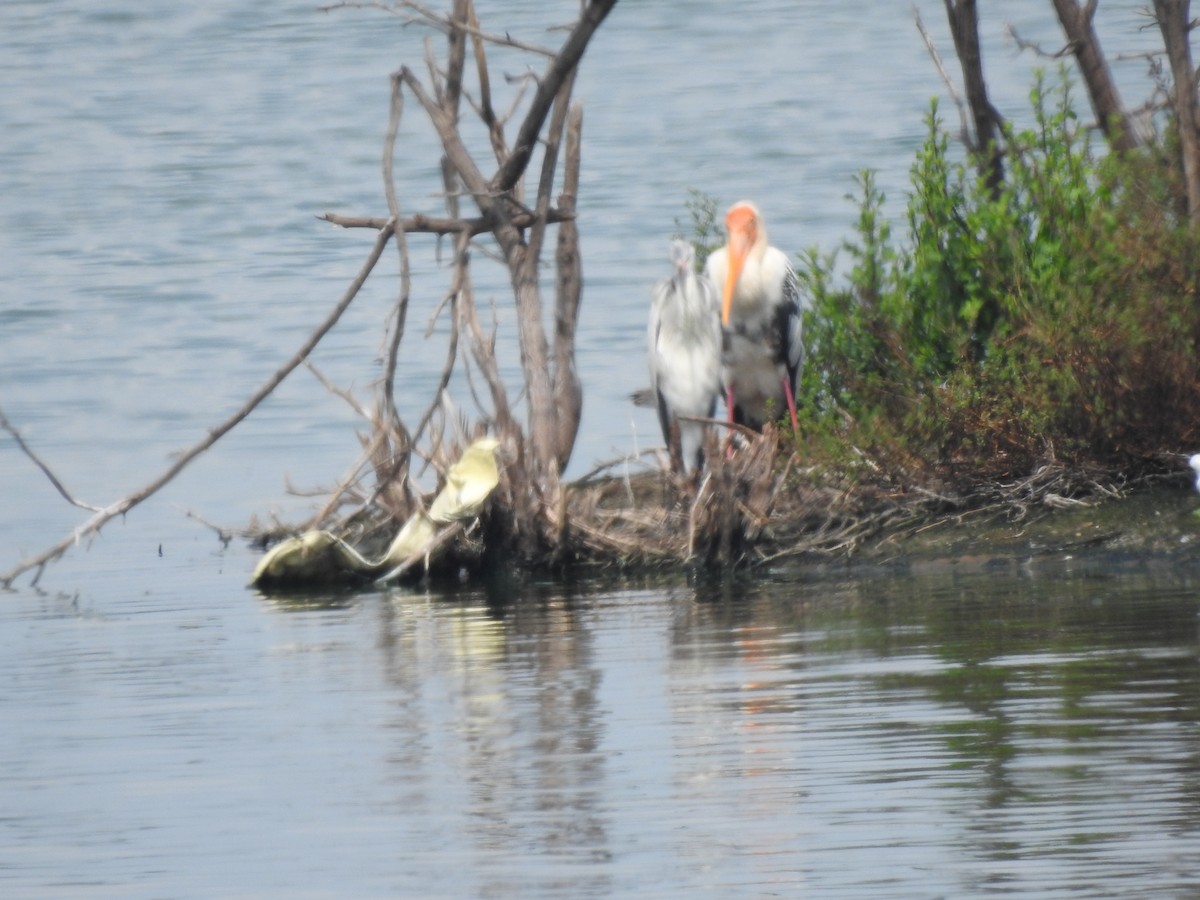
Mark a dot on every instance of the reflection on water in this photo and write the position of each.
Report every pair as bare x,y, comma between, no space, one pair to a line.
948,731
508,700
1029,733
937,734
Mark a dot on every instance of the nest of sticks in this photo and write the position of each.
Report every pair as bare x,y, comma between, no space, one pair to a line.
754,503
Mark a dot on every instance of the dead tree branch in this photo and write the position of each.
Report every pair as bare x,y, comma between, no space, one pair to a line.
964,26
1173,20
58,485
1082,41
519,231
963,115
422,15
421,224
401,440
551,386
568,391
561,67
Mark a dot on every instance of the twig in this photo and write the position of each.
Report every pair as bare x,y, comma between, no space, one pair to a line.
400,310
350,399
1035,48
483,349
484,108
965,128
419,224
351,478
448,367
622,460
224,535
58,485
561,67
426,16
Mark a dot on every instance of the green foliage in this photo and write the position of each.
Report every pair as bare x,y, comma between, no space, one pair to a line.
705,232
1053,316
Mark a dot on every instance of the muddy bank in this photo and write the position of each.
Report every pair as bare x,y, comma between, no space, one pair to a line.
1157,526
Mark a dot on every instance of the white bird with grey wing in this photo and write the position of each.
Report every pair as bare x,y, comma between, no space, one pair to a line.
760,315
684,339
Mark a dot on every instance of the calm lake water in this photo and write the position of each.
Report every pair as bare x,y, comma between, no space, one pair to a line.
994,725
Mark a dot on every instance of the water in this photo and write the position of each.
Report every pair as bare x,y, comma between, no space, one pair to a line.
941,733
946,731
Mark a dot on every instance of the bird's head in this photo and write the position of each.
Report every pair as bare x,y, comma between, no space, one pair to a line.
743,226
683,257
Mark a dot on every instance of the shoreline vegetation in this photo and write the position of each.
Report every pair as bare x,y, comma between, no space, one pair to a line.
1032,344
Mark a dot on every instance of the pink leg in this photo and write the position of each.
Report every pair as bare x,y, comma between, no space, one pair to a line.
791,402
729,407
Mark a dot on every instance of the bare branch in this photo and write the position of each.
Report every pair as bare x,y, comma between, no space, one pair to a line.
447,368
1084,44
224,535
483,348
348,482
964,27
964,120
560,68
1173,22
421,224
341,392
484,108
1034,47
447,129
554,133
447,24
58,485
568,391
456,57
400,311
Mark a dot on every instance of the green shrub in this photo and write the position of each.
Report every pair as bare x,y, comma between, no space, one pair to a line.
1051,318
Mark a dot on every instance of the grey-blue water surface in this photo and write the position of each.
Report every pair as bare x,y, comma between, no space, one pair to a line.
1028,728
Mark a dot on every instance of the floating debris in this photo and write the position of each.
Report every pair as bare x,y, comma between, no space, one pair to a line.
469,483
320,558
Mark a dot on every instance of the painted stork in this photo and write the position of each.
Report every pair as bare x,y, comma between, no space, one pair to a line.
684,338
760,315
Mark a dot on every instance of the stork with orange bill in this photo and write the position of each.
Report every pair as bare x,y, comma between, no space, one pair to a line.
761,349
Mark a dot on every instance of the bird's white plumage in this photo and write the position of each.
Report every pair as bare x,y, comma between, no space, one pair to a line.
684,338
763,347
1194,462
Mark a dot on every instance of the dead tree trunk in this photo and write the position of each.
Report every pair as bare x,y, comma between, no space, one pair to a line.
515,207
1172,17
568,392
964,26
551,425
1106,100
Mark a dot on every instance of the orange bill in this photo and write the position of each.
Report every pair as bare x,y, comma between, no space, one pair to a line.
740,225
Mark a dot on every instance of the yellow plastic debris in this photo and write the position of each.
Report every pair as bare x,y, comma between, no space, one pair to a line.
318,558
417,532
315,557
469,483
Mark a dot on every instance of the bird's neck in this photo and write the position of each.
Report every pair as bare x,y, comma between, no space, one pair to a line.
749,288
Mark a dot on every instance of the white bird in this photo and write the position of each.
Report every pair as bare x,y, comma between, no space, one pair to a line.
1194,462
684,338
760,314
